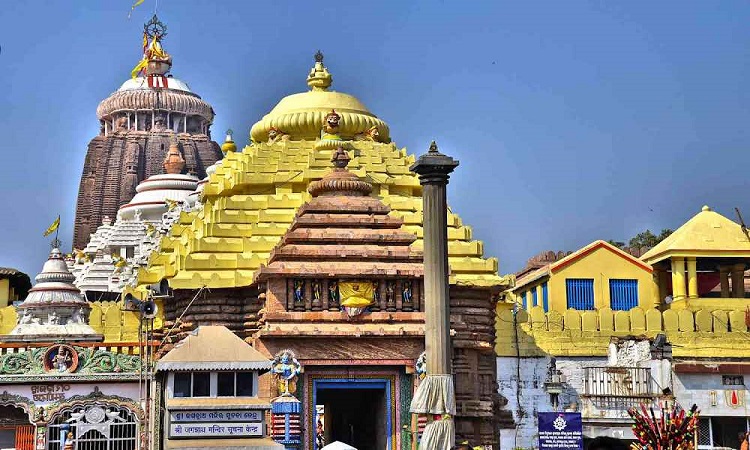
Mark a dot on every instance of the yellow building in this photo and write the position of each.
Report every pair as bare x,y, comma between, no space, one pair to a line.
702,264
685,337
597,276
13,286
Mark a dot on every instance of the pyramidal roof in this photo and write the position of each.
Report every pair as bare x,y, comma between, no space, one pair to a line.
708,233
213,348
252,199
343,230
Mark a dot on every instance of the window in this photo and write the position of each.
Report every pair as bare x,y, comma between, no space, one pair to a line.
580,293
197,384
545,297
213,384
623,294
245,386
129,252
523,299
732,380
534,299
182,384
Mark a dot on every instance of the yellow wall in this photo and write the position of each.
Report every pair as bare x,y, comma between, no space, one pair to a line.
6,292
703,333
601,265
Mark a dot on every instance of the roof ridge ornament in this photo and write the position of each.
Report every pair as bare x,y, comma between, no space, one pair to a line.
319,78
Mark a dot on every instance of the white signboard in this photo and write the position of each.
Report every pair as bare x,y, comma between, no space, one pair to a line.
213,429
43,394
216,416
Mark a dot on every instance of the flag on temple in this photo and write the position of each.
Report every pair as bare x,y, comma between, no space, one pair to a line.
52,228
132,8
356,294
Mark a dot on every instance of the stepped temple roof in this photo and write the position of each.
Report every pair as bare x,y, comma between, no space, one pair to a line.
252,198
342,230
708,233
54,307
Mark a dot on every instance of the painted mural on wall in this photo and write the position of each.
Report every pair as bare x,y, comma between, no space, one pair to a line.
65,359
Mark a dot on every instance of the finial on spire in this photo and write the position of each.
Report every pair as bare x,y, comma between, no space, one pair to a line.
340,158
155,29
229,134
319,79
173,161
56,243
228,145
433,147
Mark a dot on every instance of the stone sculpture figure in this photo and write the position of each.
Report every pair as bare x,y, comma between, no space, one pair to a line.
62,360
406,291
53,319
331,125
390,295
68,441
286,368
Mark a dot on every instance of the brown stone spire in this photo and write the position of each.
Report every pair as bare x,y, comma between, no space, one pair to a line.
174,162
340,181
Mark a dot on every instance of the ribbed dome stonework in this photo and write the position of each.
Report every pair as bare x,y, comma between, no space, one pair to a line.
147,99
301,115
54,308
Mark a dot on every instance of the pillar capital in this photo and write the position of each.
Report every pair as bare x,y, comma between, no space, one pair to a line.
433,167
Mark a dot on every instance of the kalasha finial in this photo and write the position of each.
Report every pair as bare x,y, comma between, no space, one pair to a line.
433,147
340,158
319,56
230,132
56,243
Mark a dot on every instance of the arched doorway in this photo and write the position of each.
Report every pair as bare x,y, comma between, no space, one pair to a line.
97,426
16,431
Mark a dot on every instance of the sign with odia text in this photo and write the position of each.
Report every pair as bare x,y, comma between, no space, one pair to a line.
213,429
560,431
216,416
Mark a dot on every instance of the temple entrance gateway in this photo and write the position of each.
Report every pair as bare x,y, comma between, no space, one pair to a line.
355,412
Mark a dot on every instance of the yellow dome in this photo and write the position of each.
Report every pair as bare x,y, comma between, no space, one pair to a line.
228,145
301,116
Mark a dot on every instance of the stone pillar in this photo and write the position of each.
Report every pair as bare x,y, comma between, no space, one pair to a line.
136,120
435,393
678,278
657,289
738,280
692,270
724,277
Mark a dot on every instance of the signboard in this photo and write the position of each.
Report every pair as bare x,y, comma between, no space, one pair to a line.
558,431
216,416
213,429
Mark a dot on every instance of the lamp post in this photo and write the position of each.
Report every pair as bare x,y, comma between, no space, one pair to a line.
435,394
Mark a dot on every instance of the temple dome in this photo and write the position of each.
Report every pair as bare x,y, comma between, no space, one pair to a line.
152,194
300,115
136,94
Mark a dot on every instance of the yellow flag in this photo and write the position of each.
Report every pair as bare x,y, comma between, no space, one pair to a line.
137,69
55,225
355,294
137,2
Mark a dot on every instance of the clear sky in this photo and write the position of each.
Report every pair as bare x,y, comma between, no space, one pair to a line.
573,120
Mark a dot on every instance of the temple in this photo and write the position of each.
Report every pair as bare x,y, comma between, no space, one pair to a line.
139,123
602,329
308,244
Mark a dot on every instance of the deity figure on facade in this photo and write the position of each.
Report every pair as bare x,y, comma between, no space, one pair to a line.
53,319
333,292
68,441
390,294
62,360
286,368
406,291
299,291
331,126
375,292
316,295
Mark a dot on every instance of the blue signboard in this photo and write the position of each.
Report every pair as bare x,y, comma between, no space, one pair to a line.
558,431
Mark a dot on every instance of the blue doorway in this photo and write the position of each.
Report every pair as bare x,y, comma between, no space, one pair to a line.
355,411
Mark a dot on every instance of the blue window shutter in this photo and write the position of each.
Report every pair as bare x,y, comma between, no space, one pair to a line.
523,297
534,300
580,293
623,294
545,297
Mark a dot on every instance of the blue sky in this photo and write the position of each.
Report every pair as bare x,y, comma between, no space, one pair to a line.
573,120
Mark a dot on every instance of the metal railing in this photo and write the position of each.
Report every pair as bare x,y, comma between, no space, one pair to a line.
618,382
